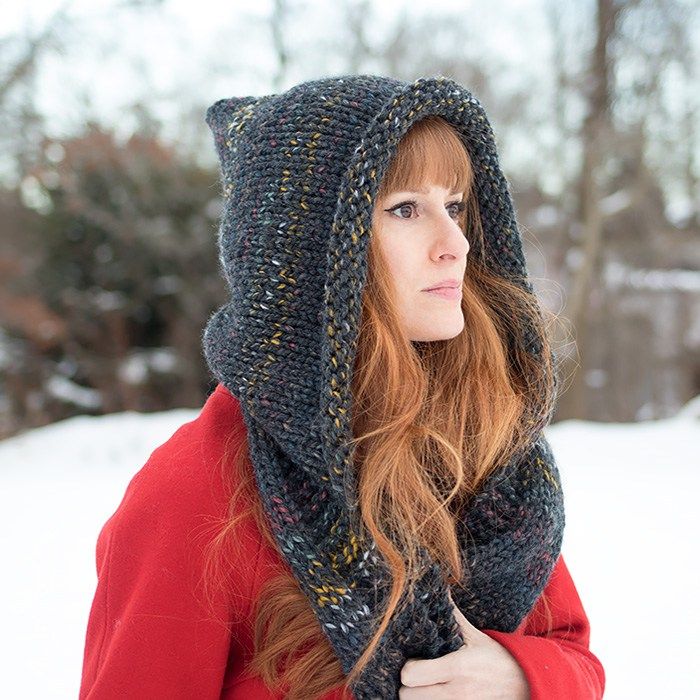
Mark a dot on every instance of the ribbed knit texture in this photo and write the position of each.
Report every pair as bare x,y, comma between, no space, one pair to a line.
300,172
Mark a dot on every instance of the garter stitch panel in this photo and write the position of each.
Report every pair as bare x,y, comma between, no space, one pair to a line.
300,172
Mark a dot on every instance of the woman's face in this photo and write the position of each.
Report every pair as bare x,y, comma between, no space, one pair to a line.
420,236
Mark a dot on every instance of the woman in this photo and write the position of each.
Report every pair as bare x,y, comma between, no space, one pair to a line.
366,506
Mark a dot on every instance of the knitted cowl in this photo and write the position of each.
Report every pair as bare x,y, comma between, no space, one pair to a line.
300,171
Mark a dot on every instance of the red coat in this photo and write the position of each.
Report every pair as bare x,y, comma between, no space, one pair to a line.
148,635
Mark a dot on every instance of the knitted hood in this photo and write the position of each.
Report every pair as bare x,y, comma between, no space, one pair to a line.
300,173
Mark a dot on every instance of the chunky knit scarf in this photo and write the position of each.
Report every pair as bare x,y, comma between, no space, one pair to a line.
300,172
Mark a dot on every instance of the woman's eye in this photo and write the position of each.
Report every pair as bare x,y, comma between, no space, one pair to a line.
402,207
459,207
405,208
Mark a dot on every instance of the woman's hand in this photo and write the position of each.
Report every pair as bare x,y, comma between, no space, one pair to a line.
481,670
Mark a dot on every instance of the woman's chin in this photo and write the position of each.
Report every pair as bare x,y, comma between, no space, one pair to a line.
439,330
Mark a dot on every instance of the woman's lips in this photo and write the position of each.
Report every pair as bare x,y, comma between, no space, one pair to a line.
446,292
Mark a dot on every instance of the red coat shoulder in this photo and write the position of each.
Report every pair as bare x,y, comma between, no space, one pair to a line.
150,630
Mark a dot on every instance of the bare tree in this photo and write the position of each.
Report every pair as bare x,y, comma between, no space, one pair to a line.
595,136
357,16
279,20
641,38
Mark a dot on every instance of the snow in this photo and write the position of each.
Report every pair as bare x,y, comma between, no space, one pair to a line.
63,388
137,366
545,215
616,202
616,275
631,531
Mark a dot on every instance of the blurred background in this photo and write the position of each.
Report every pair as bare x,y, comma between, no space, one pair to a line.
109,206
109,196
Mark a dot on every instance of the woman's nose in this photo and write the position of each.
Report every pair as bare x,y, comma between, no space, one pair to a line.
452,229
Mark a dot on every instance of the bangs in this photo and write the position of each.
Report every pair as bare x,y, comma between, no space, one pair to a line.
431,152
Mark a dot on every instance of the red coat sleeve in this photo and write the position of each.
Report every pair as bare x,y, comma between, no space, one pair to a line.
561,665
149,633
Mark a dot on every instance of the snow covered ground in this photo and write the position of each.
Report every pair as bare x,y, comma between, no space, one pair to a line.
631,543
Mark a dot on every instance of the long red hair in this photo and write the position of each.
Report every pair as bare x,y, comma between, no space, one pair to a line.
431,421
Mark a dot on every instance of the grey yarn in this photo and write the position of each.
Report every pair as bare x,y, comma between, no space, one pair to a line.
300,171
